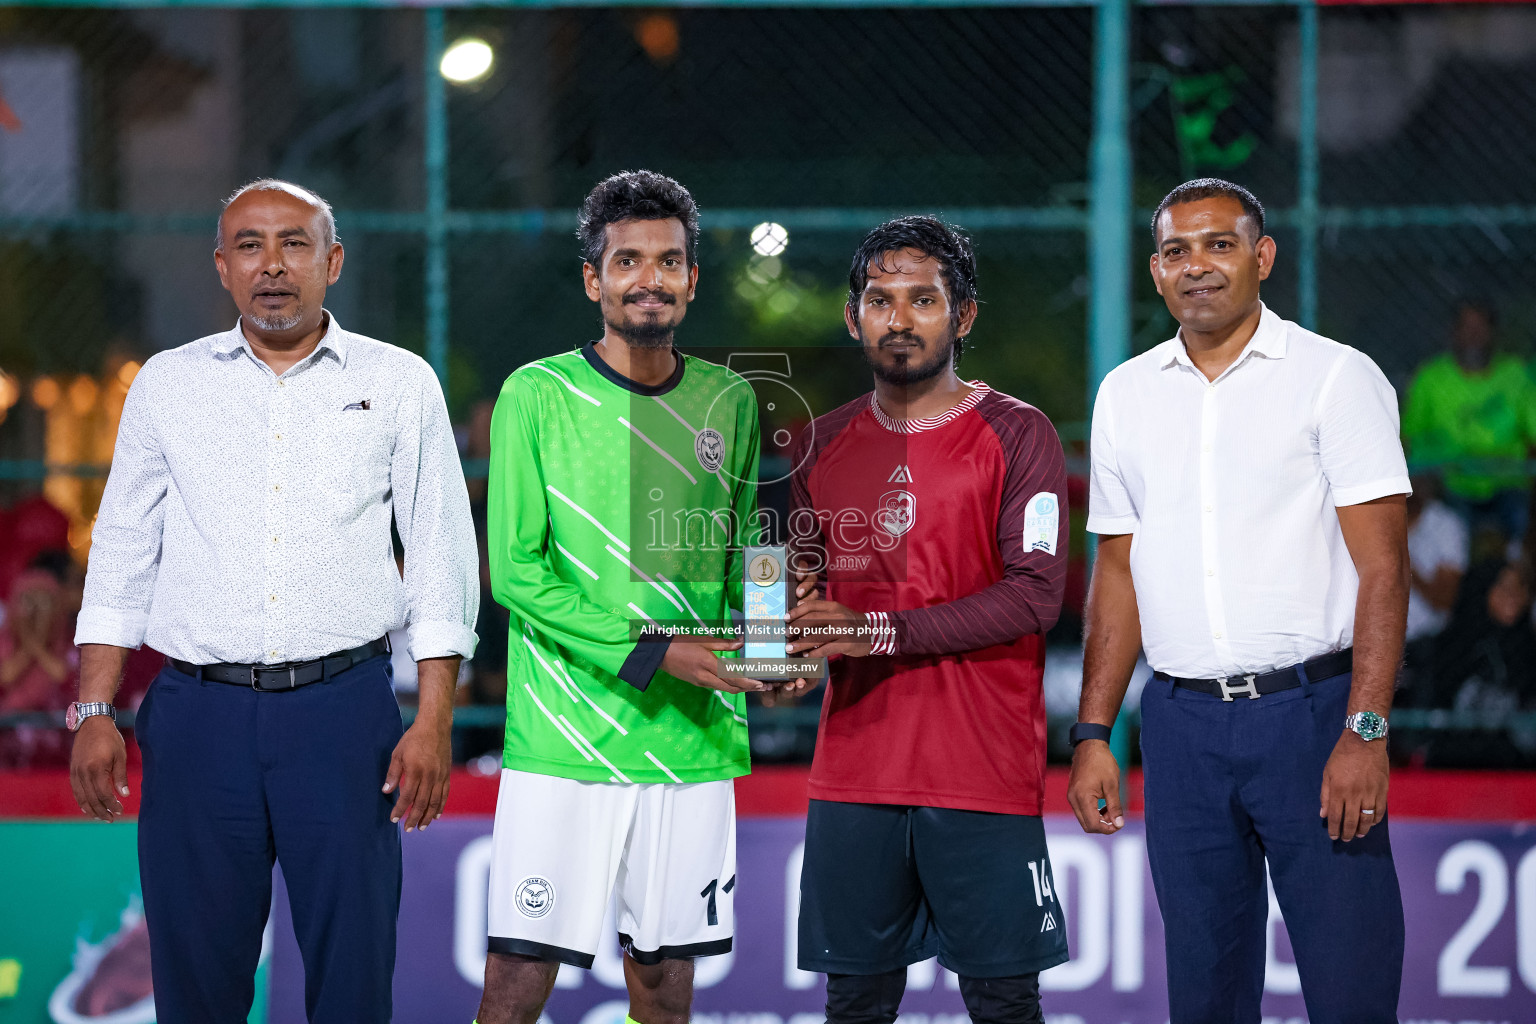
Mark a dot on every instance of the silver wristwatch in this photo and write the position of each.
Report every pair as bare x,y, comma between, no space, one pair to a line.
1368,725
78,712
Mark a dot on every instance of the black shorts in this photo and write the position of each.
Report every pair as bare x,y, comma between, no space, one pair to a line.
884,886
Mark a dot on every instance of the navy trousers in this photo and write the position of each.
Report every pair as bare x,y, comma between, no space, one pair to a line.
234,779
1230,786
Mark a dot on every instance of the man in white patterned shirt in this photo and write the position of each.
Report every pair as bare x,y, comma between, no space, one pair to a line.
245,533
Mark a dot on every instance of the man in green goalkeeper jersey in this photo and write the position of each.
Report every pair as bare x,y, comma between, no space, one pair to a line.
623,479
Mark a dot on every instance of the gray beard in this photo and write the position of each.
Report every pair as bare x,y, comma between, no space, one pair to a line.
278,323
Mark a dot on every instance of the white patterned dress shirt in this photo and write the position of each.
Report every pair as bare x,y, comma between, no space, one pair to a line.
1230,488
247,515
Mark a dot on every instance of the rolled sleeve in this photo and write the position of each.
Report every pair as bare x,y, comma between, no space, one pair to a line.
1359,444
431,505
114,626
439,640
1110,508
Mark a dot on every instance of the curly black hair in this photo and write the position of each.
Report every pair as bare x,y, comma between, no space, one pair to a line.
1212,188
936,240
635,195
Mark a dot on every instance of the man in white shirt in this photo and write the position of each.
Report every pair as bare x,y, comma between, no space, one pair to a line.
1248,488
245,533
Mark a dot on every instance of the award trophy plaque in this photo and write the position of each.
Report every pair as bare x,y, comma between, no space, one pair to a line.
767,602
769,596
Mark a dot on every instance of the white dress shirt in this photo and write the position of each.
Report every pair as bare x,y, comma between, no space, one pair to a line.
247,515
1230,488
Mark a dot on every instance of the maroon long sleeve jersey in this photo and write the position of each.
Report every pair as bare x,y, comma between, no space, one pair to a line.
951,532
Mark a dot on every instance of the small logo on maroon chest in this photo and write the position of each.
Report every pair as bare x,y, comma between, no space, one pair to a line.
897,512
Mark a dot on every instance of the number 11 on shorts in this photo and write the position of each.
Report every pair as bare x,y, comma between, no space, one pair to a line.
708,892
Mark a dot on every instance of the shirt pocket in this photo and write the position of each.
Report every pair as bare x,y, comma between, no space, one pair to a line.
362,444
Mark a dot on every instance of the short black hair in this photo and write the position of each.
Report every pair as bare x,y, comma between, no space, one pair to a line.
1481,305
54,561
1211,188
635,195
934,239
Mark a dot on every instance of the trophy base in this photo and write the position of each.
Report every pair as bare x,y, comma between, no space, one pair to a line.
774,668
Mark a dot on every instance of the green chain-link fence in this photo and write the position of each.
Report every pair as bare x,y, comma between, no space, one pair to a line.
821,119
1392,145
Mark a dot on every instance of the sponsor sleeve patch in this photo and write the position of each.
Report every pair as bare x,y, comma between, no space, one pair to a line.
1041,521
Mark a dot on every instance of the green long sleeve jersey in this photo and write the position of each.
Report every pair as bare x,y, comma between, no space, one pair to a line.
618,511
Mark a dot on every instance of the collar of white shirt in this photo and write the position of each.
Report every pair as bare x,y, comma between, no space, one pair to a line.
1269,341
334,342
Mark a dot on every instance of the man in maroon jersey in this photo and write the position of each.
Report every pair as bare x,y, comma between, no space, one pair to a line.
933,510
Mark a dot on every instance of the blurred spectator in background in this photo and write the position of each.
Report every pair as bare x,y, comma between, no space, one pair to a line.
1484,662
1473,403
1437,555
39,664
476,449
1438,551
27,529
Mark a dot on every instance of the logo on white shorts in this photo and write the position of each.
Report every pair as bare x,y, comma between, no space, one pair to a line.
535,897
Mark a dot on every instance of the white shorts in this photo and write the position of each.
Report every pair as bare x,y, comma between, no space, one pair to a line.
664,853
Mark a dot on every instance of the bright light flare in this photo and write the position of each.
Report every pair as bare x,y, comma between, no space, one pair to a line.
467,60
769,239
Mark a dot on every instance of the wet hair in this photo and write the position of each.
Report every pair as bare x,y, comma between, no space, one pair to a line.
635,195
1212,188
945,243
278,185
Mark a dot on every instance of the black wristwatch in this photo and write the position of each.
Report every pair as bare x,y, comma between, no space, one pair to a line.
1087,731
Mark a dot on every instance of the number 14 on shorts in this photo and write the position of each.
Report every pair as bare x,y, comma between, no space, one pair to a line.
1040,875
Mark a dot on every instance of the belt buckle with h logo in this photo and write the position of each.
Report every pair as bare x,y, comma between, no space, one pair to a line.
1250,688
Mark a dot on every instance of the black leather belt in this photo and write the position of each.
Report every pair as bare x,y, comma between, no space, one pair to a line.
1255,686
289,676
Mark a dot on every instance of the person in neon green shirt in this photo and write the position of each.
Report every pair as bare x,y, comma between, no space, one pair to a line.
622,490
1474,403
